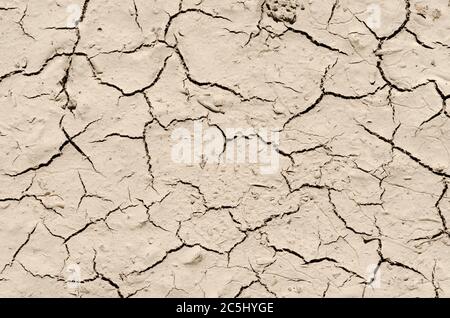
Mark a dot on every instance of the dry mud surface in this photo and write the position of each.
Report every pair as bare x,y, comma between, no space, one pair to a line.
94,203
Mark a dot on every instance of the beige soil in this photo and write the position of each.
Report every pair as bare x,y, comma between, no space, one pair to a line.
92,203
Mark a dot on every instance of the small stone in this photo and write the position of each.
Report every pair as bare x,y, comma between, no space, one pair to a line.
282,10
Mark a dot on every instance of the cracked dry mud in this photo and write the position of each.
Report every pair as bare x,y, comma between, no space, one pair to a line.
360,205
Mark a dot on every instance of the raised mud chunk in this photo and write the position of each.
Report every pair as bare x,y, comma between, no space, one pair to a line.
282,10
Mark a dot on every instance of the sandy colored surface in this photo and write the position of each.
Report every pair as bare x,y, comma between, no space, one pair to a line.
93,204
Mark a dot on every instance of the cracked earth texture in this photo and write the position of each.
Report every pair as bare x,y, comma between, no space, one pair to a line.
91,203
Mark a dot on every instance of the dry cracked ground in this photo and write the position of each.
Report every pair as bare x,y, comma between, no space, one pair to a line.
93,205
